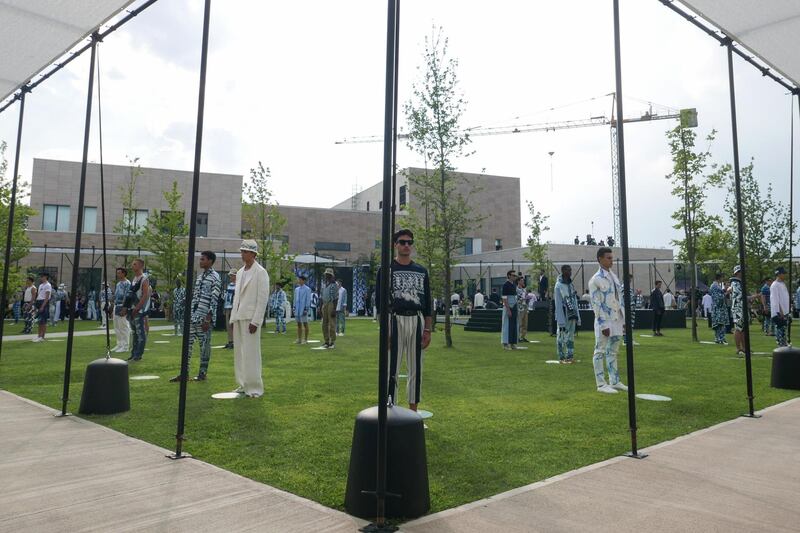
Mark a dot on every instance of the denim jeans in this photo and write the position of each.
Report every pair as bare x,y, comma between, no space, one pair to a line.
566,341
138,335
340,321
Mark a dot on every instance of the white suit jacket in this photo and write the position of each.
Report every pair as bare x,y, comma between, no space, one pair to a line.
250,299
606,297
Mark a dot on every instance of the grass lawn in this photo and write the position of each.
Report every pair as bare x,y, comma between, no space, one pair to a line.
501,419
62,326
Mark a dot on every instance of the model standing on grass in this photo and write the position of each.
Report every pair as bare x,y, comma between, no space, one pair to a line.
228,305
136,309
178,306
28,304
609,322
341,308
410,318
302,307
205,296
719,311
330,298
779,306
737,310
43,296
568,317
247,315
522,307
510,329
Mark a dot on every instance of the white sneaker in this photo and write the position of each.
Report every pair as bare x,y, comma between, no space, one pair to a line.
37,339
607,389
619,386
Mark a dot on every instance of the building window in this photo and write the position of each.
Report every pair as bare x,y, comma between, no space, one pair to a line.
367,205
498,244
90,220
202,225
55,218
137,219
402,196
380,204
468,246
335,246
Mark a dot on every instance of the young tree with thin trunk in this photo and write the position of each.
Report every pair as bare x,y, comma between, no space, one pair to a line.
165,236
433,115
127,226
20,243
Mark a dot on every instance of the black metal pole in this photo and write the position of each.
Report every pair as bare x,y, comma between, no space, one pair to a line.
791,210
740,233
394,122
104,285
11,207
386,258
187,312
79,229
623,226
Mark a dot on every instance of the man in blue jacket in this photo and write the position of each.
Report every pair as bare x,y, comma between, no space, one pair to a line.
302,305
567,315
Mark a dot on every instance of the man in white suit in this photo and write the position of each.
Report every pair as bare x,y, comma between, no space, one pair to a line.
247,314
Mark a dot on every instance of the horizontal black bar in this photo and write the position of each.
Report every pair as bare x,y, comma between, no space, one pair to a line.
723,39
58,66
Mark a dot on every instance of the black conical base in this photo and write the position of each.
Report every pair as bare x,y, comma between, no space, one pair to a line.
105,388
786,368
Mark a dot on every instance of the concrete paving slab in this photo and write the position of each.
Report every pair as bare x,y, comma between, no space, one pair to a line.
69,474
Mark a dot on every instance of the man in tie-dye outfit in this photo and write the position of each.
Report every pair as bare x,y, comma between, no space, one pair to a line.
605,291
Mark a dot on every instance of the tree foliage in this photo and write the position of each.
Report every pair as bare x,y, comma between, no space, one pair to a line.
20,243
126,226
165,236
265,224
442,215
537,249
690,185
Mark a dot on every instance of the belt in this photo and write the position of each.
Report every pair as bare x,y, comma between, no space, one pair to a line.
406,313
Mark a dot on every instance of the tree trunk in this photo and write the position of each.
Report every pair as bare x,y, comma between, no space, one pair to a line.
448,339
692,296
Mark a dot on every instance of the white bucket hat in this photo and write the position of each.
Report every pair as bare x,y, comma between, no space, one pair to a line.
249,245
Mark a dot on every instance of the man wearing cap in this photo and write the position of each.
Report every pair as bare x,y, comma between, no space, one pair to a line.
229,292
330,299
247,314
205,296
779,305
410,308
302,307
737,309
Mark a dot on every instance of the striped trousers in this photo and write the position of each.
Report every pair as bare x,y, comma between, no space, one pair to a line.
406,343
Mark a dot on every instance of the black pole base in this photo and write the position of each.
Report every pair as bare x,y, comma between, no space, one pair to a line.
174,456
637,455
62,415
748,415
375,528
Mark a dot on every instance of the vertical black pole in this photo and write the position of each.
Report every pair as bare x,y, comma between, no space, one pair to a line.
79,229
791,209
394,122
187,312
583,278
11,207
386,257
740,232
104,284
623,226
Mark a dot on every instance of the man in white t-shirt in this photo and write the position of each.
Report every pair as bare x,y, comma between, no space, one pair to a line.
707,304
455,300
478,301
43,295
669,300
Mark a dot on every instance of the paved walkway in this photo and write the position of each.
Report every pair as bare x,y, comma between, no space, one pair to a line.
73,475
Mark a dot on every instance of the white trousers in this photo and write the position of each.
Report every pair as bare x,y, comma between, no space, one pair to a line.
123,331
247,358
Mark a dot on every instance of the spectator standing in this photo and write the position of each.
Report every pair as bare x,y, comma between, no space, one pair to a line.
669,300
544,284
707,304
341,308
44,293
657,304
122,328
28,304
767,326
779,306
510,329
230,291
478,300
455,303
522,307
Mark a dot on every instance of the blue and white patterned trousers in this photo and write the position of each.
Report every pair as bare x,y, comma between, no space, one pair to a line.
565,341
138,335
196,332
280,320
606,348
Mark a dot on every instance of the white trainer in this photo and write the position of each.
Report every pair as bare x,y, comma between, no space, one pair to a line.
619,386
607,389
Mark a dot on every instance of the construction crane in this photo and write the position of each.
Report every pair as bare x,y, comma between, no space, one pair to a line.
688,118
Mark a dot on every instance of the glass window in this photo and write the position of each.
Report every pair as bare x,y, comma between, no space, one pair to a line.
90,220
337,246
498,244
402,196
202,225
367,205
138,219
468,246
55,217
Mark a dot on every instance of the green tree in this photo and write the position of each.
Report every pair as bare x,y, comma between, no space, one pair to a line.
165,236
537,249
265,225
126,226
690,186
433,114
766,222
20,243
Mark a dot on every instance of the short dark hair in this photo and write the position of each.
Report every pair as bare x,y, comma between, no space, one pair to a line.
45,274
718,275
123,270
400,233
511,272
31,279
208,254
603,250
564,267
301,276
658,281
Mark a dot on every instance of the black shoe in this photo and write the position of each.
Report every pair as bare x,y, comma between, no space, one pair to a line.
131,358
200,377
228,346
175,379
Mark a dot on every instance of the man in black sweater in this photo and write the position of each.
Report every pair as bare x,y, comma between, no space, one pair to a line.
657,305
410,306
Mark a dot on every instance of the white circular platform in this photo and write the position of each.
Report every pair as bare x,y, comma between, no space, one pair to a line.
553,362
654,397
313,342
218,347
227,395
424,414
319,348
143,378
161,342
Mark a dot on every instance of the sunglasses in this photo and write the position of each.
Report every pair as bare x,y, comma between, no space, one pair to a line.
405,242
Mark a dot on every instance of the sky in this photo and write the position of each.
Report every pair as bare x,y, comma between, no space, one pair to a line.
286,80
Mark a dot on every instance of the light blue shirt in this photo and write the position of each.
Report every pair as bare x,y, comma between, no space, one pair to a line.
302,300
